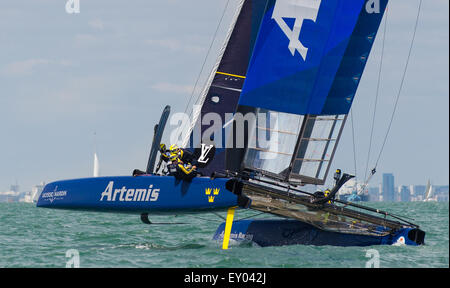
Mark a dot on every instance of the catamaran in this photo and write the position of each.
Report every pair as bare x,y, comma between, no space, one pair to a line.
281,90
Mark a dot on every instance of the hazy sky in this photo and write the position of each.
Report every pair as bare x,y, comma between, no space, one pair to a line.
113,67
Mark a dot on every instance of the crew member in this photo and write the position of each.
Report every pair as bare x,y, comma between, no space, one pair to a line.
184,155
326,194
183,163
164,157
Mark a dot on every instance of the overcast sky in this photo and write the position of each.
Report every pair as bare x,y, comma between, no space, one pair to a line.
112,68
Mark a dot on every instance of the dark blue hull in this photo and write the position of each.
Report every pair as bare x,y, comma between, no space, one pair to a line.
142,194
292,232
165,194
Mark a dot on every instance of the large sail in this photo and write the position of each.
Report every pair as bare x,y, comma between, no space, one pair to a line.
303,76
222,93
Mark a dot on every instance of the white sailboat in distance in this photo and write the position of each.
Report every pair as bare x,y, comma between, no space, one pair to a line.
96,165
428,191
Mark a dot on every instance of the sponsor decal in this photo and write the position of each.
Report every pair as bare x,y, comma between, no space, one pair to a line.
400,241
214,192
125,194
298,10
204,153
54,195
238,236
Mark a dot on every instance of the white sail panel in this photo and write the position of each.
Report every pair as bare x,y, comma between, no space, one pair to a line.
272,144
316,147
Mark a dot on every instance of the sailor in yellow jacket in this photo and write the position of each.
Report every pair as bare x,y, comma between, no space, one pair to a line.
182,163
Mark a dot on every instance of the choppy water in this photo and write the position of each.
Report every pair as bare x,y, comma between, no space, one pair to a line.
37,237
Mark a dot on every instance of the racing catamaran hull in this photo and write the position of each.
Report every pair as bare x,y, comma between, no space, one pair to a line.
281,232
143,194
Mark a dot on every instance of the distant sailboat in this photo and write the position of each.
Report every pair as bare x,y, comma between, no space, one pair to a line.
36,192
96,163
96,166
428,193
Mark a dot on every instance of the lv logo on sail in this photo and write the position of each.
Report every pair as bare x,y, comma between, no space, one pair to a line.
298,10
204,154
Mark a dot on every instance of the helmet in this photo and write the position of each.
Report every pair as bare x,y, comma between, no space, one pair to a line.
173,148
174,157
162,147
175,152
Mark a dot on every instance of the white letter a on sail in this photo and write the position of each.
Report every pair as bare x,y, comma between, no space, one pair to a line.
298,10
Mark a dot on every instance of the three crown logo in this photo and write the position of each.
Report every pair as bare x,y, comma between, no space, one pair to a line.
214,191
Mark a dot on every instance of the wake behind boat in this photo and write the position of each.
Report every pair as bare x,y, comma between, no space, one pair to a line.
271,118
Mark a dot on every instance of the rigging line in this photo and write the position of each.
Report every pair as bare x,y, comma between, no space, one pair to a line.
220,216
402,81
252,216
206,57
377,93
208,219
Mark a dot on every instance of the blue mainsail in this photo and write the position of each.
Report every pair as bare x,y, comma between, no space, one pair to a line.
310,55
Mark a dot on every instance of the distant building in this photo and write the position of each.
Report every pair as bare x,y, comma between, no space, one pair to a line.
404,194
441,193
9,196
411,191
13,195
374,194
14,188
419,192
388,188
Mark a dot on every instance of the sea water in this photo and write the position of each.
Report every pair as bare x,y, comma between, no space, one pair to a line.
39,237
